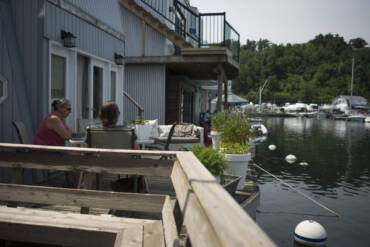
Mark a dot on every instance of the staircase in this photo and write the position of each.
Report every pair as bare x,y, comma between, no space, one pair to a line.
155,23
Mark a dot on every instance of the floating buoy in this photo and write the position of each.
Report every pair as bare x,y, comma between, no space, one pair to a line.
303,163
290,158
310,233
272,147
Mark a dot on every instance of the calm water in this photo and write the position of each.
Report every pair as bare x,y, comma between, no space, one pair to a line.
337,176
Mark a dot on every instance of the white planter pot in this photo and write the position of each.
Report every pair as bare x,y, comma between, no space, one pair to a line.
143,131
216,139
238,165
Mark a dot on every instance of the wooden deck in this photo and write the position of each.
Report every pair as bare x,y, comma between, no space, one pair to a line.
209,214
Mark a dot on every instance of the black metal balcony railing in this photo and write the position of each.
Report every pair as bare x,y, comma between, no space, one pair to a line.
204,30
217,32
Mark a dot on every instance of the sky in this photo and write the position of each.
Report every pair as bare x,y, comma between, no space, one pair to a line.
293,21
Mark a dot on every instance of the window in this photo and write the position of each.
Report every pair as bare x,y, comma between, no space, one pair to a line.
113,85
58,76
98,90
3,88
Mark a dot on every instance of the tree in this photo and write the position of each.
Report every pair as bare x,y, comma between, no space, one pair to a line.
358,43
313,72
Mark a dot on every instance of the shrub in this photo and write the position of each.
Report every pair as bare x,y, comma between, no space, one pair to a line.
210,158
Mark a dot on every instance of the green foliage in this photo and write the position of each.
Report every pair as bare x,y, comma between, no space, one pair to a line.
234,148
236,129
210,158
218,121
140,121
313,72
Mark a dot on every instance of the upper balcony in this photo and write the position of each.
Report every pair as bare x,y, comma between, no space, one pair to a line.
188,28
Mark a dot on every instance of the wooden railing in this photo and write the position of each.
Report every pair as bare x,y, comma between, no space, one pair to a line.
211,216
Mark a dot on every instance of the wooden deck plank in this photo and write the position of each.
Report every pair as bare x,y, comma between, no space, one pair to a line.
233,226
169,225
23,224
196,220
82,198
88,163
79,150
132,237
153,234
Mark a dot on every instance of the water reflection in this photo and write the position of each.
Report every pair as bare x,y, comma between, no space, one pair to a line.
336,151
337,176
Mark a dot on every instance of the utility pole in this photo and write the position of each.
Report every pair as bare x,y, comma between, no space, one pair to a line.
350,100
260,94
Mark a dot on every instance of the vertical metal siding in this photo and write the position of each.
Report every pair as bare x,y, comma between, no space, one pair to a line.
154,41
132,28
13,59
89,38
146,84
106,11
30,44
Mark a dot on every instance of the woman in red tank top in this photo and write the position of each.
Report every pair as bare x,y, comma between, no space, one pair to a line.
53,130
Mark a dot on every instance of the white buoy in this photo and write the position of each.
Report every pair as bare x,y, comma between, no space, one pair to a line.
290,158
272,147
310,233
303,163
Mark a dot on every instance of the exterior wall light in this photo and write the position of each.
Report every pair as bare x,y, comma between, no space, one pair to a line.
69,40
118,59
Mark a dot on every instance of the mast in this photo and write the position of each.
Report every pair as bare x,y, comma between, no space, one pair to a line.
350,99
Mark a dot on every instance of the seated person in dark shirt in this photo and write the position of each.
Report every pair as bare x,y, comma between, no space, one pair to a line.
109,114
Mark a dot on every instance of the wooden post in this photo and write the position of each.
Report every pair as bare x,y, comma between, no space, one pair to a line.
220,77
143,30
17,173
226,104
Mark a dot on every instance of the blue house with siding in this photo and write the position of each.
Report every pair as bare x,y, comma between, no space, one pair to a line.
169,51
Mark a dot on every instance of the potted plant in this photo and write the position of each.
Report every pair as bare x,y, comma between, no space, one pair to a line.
217,124
215,162
235,138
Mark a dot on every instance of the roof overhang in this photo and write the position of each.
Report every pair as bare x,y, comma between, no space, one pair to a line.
195,63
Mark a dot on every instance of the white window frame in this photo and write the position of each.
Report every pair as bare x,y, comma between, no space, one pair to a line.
119,88
4,84
71,77
71,80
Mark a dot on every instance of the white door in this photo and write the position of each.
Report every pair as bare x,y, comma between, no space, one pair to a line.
116,88
62,78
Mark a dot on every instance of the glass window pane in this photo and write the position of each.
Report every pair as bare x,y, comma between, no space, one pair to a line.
1,88
113,86
58,74
98,90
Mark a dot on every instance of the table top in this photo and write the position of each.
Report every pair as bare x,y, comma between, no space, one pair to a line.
148,141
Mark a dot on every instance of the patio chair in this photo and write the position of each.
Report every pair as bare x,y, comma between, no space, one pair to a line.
21,131
111,138
163,145
114,138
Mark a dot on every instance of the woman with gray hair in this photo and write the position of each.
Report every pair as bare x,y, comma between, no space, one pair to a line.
54,130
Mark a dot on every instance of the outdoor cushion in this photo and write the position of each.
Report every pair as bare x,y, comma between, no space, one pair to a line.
183,130
154,128
164,130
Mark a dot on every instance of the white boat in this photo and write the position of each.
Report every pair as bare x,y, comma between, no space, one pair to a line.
367,120
259,128
308,114
356,117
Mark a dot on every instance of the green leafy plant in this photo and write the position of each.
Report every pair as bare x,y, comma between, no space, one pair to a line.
210,158
236,129
235,148
218,120
140,121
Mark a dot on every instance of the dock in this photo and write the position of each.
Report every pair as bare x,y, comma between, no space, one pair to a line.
199,206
